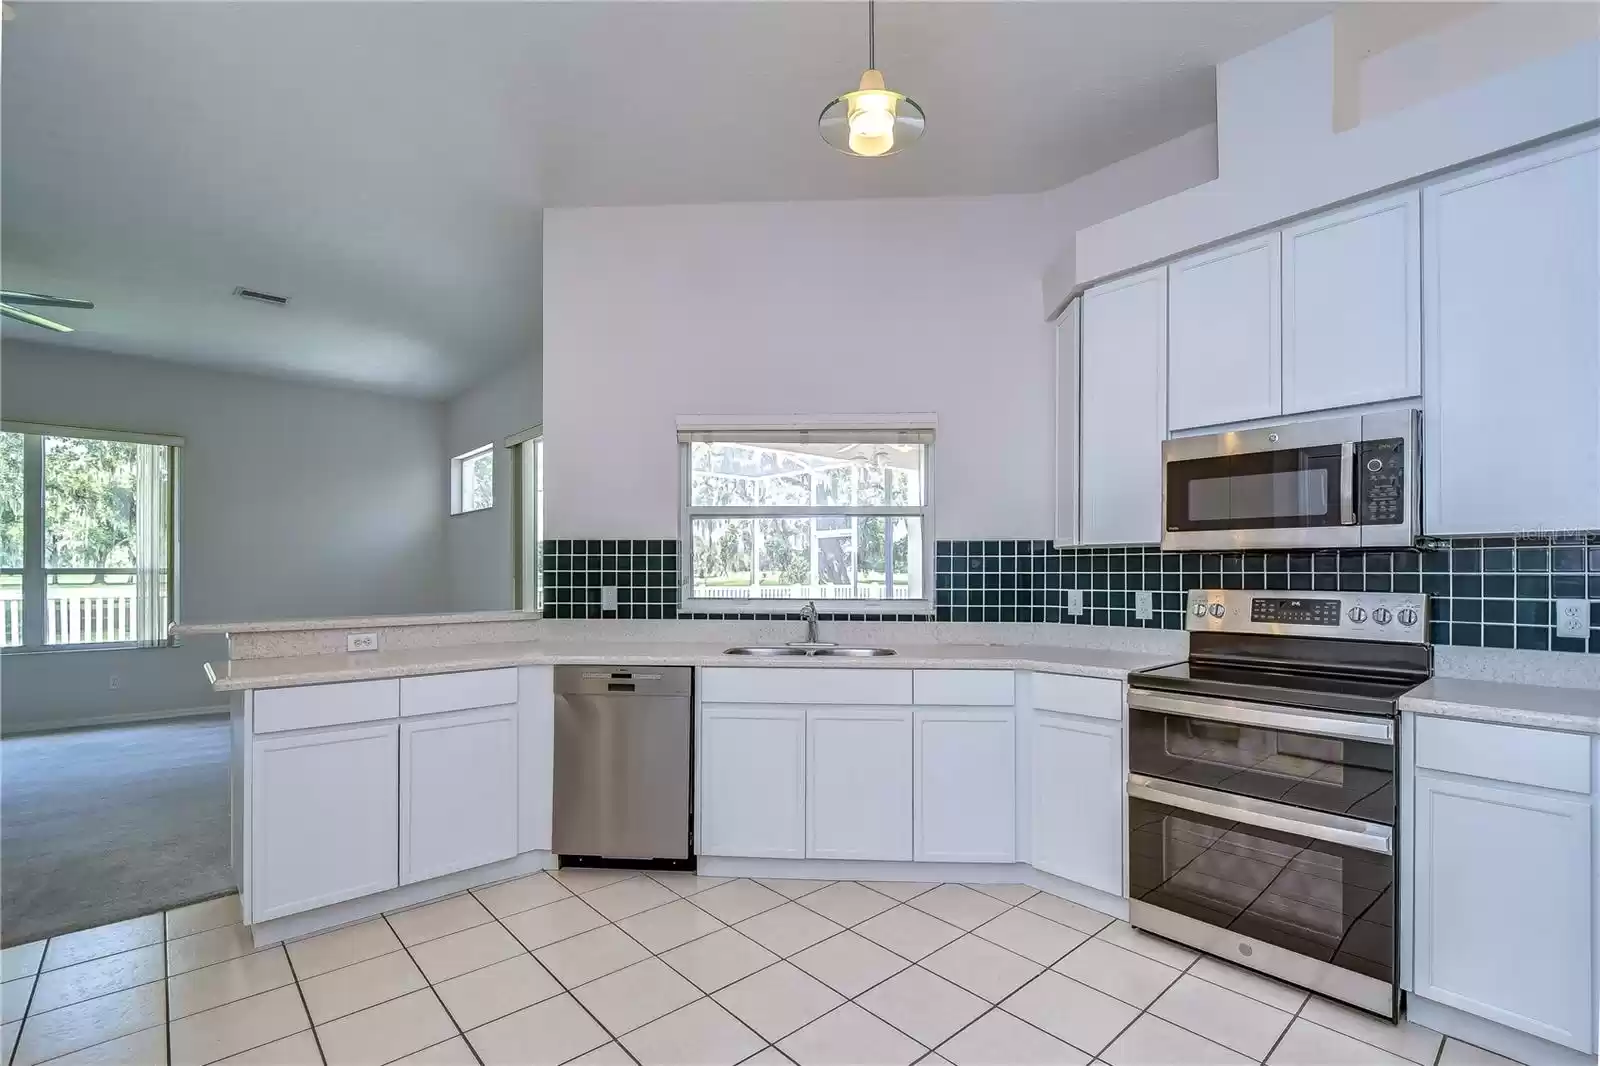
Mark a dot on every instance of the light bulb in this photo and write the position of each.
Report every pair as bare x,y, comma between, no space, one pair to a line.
871,117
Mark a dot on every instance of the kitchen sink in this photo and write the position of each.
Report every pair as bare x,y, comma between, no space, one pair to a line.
850,653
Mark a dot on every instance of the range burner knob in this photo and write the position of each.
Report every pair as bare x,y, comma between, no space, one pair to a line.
1382,616
1216,610
1358,615
1407,616
1199,610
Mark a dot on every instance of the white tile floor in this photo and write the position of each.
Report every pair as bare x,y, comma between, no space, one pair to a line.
608,968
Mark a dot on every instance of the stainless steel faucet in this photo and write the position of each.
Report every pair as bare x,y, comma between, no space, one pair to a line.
809,614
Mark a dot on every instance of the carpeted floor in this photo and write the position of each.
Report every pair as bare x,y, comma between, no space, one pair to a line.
98,825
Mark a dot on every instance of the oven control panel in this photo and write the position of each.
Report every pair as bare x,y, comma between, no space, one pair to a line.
1401,617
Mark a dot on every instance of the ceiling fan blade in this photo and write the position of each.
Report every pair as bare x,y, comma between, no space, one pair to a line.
35,299
32,319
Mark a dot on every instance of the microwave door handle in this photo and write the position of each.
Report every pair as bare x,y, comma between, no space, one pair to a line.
1347,483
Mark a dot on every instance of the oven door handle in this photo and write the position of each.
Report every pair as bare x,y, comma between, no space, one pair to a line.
1316,723
1295,821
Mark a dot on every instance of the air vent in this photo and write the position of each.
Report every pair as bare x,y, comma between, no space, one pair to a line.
260,297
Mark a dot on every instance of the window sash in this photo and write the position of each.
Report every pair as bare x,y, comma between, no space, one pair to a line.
155,606
527,524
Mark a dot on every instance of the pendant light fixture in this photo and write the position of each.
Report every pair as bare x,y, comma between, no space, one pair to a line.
873,120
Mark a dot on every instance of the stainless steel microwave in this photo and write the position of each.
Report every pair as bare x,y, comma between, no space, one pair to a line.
1348,482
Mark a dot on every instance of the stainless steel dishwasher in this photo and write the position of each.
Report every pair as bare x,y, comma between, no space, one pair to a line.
624,761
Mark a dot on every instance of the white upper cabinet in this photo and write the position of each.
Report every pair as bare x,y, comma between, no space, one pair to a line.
1352,306
1225,335
1511,355
1066,450
1123,375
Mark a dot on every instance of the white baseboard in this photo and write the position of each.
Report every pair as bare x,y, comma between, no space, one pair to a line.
334,915
1502,1040
60,726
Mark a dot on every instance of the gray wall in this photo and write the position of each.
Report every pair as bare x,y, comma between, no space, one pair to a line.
478,546
296,500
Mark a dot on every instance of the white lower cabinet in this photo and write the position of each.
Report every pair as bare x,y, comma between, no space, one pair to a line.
858,783
458,791
323,809
753,781
965,785
1504,879
1078,799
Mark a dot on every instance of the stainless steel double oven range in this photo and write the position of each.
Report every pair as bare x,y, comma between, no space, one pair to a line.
1262,799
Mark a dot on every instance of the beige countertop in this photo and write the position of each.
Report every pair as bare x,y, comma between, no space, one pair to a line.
279,672
379,621
1575,710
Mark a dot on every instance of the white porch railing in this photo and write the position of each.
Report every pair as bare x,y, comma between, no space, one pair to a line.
93,614
863,591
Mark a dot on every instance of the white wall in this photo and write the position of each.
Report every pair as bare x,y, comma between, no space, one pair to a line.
1470,89
794,309
478,545
296,500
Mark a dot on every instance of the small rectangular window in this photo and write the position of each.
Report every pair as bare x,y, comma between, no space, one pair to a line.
472,480
783,517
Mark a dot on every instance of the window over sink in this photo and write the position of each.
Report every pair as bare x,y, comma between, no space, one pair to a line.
775,517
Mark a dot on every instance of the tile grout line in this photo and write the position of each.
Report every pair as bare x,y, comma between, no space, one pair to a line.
427,982
294,974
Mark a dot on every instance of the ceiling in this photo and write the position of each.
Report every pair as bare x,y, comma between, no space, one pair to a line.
385,164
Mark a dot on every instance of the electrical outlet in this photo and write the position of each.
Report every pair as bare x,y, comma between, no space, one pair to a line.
1142,606
608,597
361,642
1074,601
114,681
1572,618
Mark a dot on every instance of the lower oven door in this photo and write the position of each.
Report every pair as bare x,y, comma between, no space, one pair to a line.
1304,896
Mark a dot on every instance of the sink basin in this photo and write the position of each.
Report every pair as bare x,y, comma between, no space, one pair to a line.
854,653
850,653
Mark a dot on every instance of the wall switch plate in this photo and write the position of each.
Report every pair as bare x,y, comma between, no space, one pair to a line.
608,597
1074,601
361,642
1142,607
1572,618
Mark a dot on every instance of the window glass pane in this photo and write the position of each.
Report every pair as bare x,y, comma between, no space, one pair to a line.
11,500
806,558
725,474
90,514
10,610
721,557
477,480
96,608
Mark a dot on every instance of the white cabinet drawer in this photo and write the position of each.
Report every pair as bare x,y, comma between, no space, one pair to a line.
965,688
1090,697
733,684
1505,753
457,692
310,706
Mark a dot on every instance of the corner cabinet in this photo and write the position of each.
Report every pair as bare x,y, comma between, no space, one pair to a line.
964,764
1078,799
1224,360
1511,356
1123,410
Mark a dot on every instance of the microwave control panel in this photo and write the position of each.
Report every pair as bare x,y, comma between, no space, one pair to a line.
1380,475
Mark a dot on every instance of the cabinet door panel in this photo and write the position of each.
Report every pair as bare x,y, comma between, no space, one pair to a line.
1224,359
753,781
859,783
324,818
1504,909
1123,410
1066,426
1511,360
1078,800
458,792
966,797
1352,306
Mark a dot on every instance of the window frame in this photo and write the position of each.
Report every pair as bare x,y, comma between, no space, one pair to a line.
527,552
458,481
35,575
751,431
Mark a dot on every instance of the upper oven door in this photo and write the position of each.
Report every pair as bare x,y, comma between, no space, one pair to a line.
1342,764
1282,487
